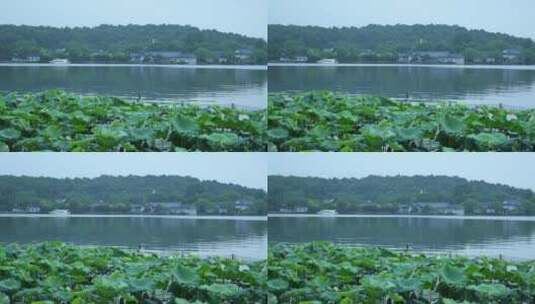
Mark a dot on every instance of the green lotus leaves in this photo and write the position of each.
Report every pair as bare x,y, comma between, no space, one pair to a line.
55,272
9,285
186,125
4,147
185,275
278,133
278,284
452,275
222,290
59,121
490,291
452,124
328,273
492,141
327,121
9,134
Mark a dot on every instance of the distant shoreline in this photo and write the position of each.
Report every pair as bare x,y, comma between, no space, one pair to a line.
201,217
180,66
458,66
446,217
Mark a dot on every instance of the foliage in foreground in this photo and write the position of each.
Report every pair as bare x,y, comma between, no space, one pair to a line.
59,273
59,121
328,121
326,273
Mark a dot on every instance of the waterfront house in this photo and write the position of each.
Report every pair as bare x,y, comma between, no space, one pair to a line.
243,55
137,208
165,57
511,206
27,59
30,209
242,205
404,58
137,57
219,57
437,57
511,55
404,209
33,209
443,208
296,59
175,208
299,209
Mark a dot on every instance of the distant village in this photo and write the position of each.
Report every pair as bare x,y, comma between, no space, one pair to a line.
239,207
508,56
239,56
507,207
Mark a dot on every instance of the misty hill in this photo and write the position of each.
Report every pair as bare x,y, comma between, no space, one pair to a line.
118,43
385,43
120,194
393,194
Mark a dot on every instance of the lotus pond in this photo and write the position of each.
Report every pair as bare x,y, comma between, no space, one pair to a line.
60,121
325,273
328,121
60,273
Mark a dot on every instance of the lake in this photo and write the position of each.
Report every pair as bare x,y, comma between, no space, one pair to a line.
243,237
513,86
243,86
513,238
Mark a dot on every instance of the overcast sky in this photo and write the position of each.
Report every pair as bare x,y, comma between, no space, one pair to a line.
247,169
515,17
515,169
248,17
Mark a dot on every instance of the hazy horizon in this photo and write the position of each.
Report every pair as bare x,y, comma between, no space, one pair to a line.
512,169
489,15
245,169
244,17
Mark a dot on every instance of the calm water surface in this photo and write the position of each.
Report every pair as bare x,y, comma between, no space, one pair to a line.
513,238
513,86
244,237
244,86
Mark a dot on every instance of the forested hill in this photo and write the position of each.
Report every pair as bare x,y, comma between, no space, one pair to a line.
120,193
117,43
386,42
389,193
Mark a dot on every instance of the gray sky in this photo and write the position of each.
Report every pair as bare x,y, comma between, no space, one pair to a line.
248,169
512,17
515,169
248,17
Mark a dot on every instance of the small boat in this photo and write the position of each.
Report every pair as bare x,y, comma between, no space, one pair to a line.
59,61
60,212
327,212
328,61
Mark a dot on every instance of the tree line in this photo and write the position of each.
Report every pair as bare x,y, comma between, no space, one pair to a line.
384,43
115,43
387,194
119,193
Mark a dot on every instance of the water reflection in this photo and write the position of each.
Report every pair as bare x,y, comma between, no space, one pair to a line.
225,236
242,86
508,237
509,86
